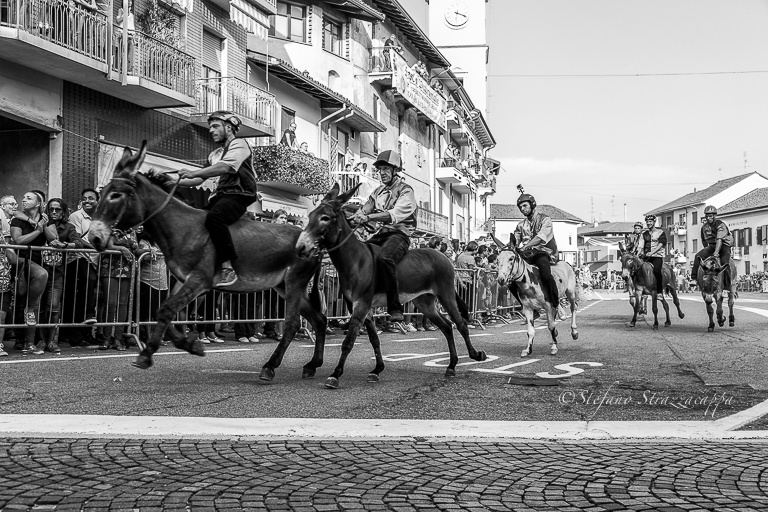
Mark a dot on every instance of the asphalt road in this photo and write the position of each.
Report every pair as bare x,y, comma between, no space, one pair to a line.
611,372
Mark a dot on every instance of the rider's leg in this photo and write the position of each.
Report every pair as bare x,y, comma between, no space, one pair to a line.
703,254
551,294
657,263
393,245
222,212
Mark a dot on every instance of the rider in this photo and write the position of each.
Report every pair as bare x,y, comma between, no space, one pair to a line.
654,248
633,240
536,241
232,167
716,239
394,205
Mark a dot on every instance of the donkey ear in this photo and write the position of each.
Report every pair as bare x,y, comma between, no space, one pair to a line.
139,160
498,242
346,196
512,240
331,195
127,155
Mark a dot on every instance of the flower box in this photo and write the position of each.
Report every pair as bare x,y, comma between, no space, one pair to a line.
280,164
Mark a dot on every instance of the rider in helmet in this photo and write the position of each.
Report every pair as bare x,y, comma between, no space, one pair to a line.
536,241
232,165
654,248
633,240
716,238
394,205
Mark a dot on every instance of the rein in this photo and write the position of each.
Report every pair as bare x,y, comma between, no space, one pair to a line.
522,267
132,183
352,232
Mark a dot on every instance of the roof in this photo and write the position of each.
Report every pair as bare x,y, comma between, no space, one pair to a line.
357,9
602,241
701,196
512,212
756,199
402,20
606,227
360,120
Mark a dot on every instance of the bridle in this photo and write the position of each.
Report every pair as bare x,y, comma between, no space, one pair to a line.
119,233
351,233
518,258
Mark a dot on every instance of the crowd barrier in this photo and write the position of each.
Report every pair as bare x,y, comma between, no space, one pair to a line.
65,288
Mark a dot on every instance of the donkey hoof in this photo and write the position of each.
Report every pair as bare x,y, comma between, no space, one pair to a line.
525,353
308,373
372,377
332,383
681,315
267,374
631,324
667,323
711,328
450,372
142,362
721,322
481,356
196,348
731,323
553,351
655,327
575,335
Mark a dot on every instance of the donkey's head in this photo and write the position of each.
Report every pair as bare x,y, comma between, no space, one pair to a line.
510,263
119,207
325,223
710,278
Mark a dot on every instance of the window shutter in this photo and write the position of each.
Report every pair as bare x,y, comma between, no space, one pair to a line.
759,235
749,237
211,51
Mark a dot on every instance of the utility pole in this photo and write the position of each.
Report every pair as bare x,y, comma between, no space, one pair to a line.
745,160
625,212
613,202
592,208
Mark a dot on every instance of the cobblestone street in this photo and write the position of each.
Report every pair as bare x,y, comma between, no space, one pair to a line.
140,475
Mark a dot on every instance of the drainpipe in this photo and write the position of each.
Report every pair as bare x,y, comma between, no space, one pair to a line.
320,129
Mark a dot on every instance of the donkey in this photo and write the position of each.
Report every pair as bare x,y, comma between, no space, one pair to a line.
713,279
267,259
524,282
425,276
640,280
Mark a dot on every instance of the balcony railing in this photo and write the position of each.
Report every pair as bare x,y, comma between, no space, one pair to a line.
68,25
238,96
154,60
348,180
389,65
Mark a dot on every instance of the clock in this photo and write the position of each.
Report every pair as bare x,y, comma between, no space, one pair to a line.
456,14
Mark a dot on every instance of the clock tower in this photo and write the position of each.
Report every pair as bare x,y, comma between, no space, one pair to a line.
458,29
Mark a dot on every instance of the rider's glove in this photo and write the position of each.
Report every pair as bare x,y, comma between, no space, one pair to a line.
161,179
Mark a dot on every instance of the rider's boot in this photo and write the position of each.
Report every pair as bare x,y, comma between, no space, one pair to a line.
227,276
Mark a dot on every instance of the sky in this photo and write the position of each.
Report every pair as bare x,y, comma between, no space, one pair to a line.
580,130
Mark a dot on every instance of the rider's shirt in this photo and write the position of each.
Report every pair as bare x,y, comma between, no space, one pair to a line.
241,178
537,225
399,201
711,233
655,243
633,242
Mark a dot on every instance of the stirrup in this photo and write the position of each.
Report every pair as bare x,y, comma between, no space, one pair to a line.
227,277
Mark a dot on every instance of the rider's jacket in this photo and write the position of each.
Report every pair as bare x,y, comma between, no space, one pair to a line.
241,178
710,233
537,225
633,242
399,201
655,243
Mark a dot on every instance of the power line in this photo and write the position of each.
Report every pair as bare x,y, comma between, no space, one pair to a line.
625,75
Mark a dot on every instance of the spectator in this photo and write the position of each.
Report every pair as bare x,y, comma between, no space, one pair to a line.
61,235
8,207
465,266
289,136
205,311
304,148
116,271
28,228
7,258
153,280
127,23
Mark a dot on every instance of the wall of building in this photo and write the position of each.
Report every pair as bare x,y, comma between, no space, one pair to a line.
30,96
756,257
565,233
25,158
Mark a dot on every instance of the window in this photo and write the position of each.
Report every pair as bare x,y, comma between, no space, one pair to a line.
668,220
377,135
694,218
695,245
746,267
333,37
289,22
570,240
681,219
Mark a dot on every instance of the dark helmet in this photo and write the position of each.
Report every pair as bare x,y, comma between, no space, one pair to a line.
650,216
710,209
227,117
526,197
638,224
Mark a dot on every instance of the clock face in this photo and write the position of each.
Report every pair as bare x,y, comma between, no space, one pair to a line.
456,14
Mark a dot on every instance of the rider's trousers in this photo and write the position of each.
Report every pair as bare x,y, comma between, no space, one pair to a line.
394,245
541,260
658,263
223,211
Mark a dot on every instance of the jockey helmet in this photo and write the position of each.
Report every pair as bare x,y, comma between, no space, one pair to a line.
650,216
710,209
526,198
638,224
389,157
227,117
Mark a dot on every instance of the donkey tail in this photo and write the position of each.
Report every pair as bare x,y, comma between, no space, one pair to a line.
463,308
315,298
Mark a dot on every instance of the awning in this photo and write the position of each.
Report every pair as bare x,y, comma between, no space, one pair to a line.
603,266
359,120
357,9
272,200
249,17
402,20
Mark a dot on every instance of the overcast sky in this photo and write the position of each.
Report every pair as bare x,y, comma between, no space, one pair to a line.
583,136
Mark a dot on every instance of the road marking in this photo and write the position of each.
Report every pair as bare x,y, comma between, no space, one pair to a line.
481,334
366,338
523,330
116,356
437,362
505,370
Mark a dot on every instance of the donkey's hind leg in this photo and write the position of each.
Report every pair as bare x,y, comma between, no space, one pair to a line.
571,295
319,323
427,305
552,326
731,317
359,312
183,295
676,301
664,303
373,336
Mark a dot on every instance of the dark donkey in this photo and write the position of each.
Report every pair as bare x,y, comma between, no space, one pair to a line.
640,280
425,276
713,279
267,259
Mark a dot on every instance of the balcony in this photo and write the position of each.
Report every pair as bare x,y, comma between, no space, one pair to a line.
348,180
429,223
255,107
679,229
487,187
390,70
447,171
71,42
455,115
